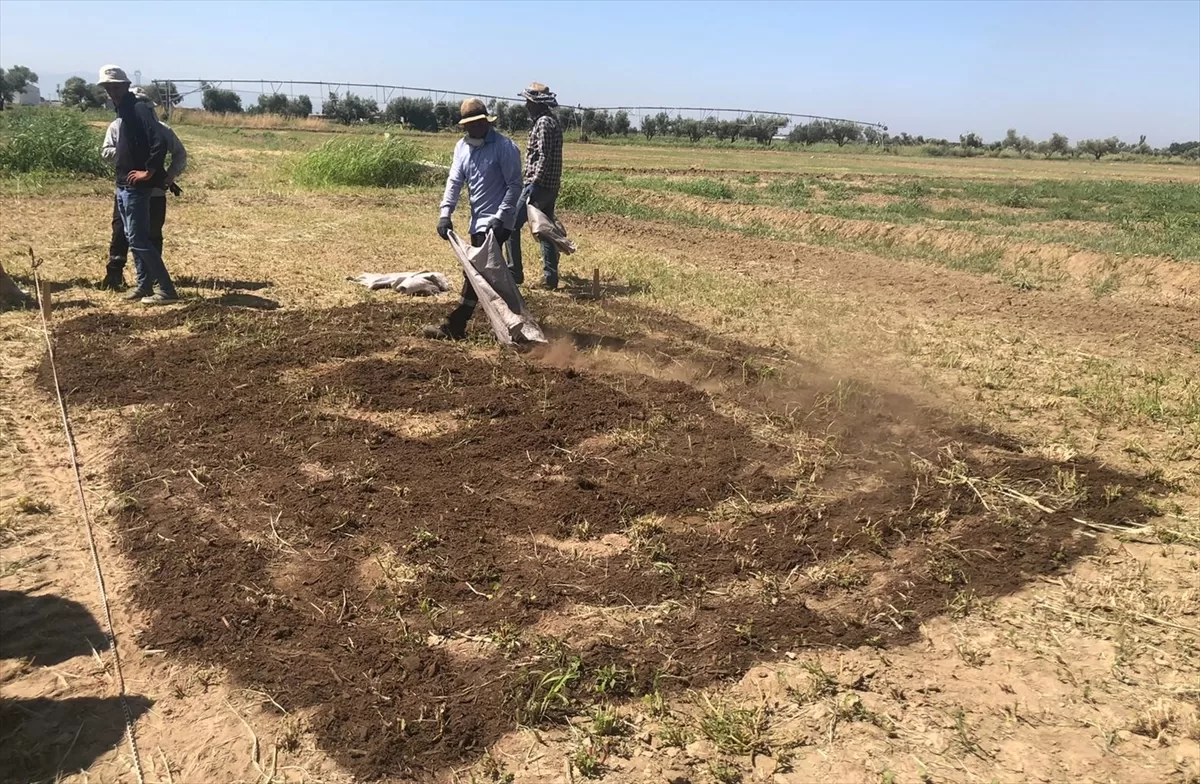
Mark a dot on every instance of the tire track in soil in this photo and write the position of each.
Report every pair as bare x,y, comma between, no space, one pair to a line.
272,491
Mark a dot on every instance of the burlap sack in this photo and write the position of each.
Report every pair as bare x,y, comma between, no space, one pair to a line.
548,230
497,291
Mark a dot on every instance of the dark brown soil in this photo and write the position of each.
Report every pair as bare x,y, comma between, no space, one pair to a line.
271,487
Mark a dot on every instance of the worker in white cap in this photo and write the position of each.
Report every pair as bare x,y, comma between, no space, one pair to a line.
140,159
118,247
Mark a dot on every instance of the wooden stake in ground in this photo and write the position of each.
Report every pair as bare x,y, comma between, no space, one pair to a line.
44,298
596,283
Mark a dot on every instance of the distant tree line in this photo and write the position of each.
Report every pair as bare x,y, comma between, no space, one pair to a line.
1014,145
283,106
424,114
839,132
761,128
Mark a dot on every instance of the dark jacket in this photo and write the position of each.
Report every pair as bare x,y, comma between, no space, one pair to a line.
142,145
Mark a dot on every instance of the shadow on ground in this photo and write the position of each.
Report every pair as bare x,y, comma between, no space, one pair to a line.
239,300
337,509
46,740
58,286
582,288
46,629
222,284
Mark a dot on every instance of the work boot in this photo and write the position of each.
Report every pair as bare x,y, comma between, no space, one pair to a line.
550,284
444,332
137,295
161,298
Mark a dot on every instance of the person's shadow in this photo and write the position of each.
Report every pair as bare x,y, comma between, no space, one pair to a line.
43,739
46,629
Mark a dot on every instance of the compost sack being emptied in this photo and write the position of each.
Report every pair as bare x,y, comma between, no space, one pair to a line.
497,291
546,230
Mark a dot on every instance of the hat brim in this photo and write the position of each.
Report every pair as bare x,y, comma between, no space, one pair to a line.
476,118
103,82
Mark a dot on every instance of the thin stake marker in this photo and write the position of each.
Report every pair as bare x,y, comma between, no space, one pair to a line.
87,520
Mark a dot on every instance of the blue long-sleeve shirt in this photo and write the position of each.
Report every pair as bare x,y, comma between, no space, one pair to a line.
492,174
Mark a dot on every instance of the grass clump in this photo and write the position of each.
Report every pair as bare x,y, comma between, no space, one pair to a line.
709,189
583,194
49,140
790,192
739,731
374,162
588,760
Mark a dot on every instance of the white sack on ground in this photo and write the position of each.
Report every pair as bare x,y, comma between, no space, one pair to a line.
548,230
417,284
497,291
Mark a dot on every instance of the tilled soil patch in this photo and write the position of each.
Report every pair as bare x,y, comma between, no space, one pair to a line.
396,583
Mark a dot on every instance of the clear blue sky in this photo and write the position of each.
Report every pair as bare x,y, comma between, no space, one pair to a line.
934,68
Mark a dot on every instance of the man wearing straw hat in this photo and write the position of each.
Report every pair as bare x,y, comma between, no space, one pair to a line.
489,164
118,247
543,176
140,158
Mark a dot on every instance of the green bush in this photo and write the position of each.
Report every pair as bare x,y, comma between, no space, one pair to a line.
350,108
49,140
378,162
221,101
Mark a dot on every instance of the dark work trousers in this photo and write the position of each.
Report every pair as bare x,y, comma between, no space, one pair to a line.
467,300
544,199
118,247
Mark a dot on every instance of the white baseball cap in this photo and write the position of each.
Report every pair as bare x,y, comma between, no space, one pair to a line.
112,74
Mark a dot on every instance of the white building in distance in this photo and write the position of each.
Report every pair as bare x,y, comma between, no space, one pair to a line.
30,96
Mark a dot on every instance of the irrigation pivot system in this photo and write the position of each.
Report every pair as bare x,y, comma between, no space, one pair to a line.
382,93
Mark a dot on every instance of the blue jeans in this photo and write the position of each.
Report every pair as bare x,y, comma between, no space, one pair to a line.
543,199
149,270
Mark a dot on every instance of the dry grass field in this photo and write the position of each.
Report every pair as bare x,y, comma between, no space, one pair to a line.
861,469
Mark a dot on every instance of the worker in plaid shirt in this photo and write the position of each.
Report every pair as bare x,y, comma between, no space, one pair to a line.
543,176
